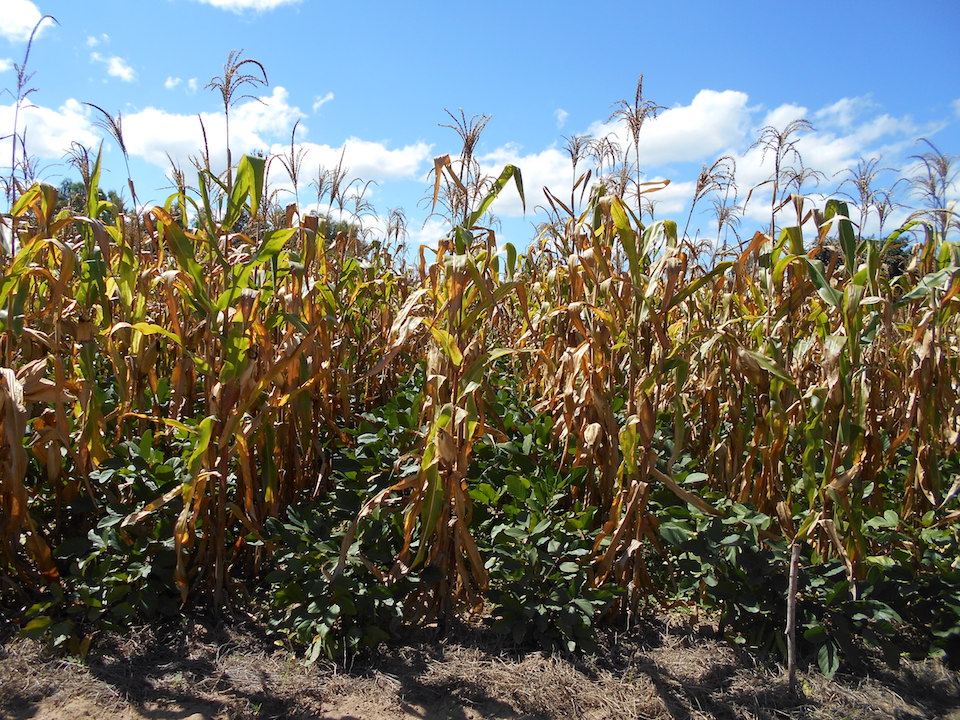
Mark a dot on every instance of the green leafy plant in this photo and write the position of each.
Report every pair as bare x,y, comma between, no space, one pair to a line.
330,587
117,573
538,542
907,603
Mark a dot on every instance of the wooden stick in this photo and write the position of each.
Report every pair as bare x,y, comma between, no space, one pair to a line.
791,629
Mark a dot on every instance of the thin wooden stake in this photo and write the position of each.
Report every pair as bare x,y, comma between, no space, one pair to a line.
791,629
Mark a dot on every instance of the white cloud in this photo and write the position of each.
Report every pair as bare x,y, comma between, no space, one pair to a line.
783,115
93,41
116,66
843,113
548,168
844,131
671,201
241,5
841,134
365,159
49,132
883,126
171,82
119,68
723,123
5,64
956,106
713,123
709,125
270,114
19,19
320,101
561,115
153,133
427,233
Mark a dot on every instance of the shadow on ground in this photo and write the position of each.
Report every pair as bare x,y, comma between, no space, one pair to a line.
663,668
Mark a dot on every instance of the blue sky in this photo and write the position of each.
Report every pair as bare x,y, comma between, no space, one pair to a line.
376,77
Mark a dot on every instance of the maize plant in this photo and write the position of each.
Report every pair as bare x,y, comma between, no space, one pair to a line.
195,373
241,347
458,303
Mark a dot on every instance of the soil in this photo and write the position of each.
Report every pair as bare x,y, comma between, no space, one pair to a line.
667,668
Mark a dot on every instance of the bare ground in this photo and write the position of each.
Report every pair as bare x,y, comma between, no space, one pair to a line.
665,669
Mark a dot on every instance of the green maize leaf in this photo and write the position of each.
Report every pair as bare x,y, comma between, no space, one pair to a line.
848,238
491,301
48,202
693,287
93,189
182,201
781,267
852,313
147,329
271,246
205,219
670,232
769,365
629,443
511,251
448,343
824,289
655,271
248,399
470,387
170,422
127,271
807,526
471,419
464,262
509,171
247,186
431,509
473,374
874,263
793,235
440,422
235,288
628,238
21,262
32,196
194,461
462,239
235,345
184,252
894,237
652,236
939,280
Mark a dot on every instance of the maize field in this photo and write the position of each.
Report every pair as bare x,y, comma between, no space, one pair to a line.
228,404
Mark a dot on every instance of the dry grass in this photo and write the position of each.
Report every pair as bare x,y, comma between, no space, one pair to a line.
659,670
